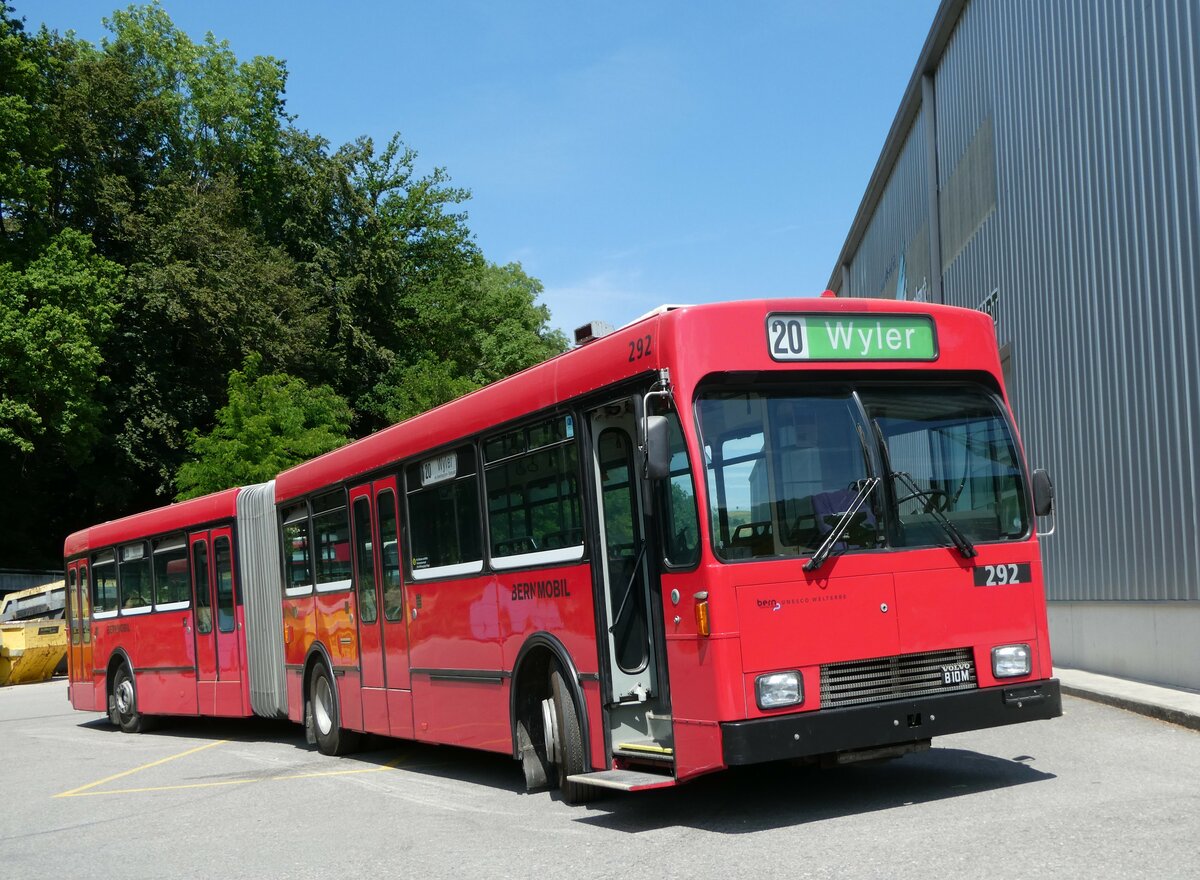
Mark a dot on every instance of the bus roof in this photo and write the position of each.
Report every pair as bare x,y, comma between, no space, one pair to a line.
692,340
173,517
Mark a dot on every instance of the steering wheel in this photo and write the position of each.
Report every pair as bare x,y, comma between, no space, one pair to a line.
935,499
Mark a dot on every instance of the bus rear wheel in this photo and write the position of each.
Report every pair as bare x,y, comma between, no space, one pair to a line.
331,737
122,707
564,735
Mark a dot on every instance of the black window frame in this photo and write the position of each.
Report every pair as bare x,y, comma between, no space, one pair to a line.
320,506
289,515
405,483
509,451
99,612
155,551
854,385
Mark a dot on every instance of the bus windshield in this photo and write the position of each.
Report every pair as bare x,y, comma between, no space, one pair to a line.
783,466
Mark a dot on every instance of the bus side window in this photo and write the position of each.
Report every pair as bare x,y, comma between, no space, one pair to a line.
365,551
681,522
200,576
85,611
72,608
104,582
389,554
223,556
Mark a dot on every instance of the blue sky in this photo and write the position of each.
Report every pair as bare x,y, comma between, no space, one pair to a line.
628,154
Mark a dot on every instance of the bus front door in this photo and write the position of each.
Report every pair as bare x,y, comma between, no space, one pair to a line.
639,713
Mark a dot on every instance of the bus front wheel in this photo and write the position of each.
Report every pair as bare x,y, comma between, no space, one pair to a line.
567,748
122,707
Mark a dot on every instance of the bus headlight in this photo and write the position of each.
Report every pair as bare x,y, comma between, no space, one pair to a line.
1010,661
778,689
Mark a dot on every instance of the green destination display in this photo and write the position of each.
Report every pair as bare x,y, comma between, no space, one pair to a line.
848,337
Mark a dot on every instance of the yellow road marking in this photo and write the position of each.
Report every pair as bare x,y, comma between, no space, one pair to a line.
82,788
83,791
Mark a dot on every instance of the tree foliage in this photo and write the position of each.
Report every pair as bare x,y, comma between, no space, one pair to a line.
54,317
163,221
270,423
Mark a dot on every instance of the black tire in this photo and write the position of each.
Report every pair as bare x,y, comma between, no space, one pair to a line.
331,737
534,766
572,755
123,710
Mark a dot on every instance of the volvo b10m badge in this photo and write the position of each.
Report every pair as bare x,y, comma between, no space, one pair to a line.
958,673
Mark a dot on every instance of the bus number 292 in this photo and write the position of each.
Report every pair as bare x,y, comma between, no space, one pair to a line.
1002,575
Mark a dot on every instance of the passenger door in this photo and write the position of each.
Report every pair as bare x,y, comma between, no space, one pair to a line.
626,563
382,628
366,588
394,617
75,624
202,624
229,691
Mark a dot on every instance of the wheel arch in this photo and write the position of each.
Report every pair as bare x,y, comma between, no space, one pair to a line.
119,657
537,653
318,653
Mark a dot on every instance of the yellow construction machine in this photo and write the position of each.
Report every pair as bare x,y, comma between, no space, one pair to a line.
33,644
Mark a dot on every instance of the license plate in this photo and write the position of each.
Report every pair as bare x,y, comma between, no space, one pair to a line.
958,673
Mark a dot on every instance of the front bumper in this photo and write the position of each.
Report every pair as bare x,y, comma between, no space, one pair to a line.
825,731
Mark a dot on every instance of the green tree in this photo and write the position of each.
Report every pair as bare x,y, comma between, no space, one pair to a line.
271,422
218,230
205,292
54,317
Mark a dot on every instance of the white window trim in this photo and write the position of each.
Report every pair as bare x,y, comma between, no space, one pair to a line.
439,571
139,609
334,586
538,557
104,615
298,591
174,606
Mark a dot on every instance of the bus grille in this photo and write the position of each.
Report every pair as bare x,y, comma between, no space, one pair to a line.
855,682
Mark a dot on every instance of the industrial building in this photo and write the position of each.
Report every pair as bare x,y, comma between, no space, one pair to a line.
1044,166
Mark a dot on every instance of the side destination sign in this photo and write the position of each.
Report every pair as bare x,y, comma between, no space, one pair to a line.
798,336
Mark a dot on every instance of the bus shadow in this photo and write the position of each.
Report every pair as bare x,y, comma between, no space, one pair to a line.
469,766
736,801
749,799
215,729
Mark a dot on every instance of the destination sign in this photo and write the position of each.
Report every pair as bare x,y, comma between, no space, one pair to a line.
440,469
796,336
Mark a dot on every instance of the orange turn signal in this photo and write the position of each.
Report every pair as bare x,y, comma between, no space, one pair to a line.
702,613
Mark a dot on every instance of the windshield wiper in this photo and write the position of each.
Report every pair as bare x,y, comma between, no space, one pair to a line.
843,523
965,547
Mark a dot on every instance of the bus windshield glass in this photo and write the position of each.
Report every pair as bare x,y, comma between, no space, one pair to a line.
783,467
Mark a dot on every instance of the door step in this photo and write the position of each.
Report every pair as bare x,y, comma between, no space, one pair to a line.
647,750
623,780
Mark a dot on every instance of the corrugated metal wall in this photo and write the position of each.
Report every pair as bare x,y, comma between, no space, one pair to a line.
1092,251
903,216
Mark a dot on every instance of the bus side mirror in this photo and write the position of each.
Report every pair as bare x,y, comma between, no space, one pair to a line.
1043,493
658,448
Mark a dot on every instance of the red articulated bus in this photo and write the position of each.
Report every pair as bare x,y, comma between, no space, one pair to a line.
723,534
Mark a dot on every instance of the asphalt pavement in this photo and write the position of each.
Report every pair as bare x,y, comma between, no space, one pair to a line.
1098,793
